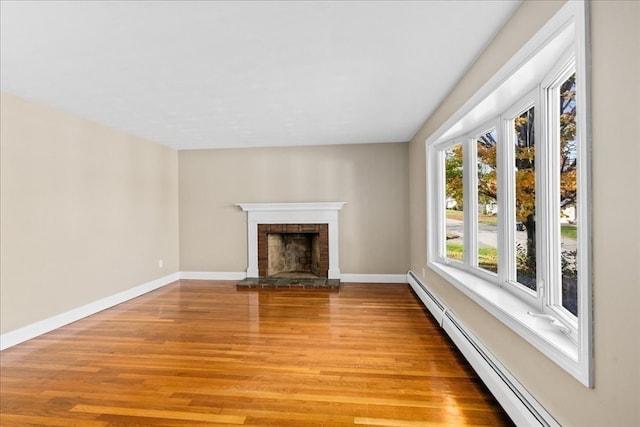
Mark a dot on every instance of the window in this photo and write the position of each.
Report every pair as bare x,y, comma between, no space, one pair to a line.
509,200
486,220
454,191
568,152
524,201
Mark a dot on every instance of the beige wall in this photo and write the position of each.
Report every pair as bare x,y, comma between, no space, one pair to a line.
371,178
616,210
86,212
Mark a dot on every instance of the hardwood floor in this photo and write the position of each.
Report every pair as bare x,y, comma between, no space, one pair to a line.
203,353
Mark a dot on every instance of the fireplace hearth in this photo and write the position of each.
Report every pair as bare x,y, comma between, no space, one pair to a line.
285,283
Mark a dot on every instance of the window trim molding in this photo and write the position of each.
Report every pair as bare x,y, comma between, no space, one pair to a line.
575,357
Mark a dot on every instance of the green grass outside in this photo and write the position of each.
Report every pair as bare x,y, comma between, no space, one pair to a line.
454,251
569,231
487,257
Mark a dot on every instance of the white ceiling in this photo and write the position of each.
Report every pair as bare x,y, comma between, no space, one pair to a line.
198,74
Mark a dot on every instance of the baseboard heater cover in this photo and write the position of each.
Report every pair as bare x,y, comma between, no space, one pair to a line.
521,406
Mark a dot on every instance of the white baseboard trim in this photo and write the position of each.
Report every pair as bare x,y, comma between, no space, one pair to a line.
213,275
374,278
521,406
11,338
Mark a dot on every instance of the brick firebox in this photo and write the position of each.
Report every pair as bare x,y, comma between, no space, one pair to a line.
323,239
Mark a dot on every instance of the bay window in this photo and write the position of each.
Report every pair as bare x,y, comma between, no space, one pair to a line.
508,195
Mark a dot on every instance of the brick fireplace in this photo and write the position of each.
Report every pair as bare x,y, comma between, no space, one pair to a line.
320,219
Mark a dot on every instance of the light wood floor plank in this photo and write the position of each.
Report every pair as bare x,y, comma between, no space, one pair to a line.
159,413
203,353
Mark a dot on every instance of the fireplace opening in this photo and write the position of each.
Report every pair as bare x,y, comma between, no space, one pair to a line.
293,250
293,254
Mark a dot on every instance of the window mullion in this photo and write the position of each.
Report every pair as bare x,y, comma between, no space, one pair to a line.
470,204
439,178
549,179
506,195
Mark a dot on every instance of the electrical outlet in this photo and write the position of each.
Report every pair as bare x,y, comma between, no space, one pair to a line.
424,272
160,263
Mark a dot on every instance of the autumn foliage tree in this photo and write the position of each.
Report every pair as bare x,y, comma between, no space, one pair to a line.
525,185
568,149
454,174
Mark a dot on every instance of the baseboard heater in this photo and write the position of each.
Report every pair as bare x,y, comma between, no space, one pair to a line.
521,406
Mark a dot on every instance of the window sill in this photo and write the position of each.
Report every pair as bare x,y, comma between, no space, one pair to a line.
513,312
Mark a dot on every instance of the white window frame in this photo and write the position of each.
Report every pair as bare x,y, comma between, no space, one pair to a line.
442,250
550,87
532,99
537,316
472,198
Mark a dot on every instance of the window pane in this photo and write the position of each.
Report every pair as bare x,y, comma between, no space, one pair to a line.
487,202
454,203
525,199
568,189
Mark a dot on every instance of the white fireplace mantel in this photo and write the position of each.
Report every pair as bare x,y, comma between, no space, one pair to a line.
292,213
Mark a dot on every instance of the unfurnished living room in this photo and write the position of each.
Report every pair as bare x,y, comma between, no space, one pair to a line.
319,213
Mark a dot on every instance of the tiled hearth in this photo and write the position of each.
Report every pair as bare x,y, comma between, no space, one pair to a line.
288,283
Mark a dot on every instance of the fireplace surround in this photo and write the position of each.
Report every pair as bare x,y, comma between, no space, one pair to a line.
304,216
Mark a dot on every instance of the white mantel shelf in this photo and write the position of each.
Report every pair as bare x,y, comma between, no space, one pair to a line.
292,213
314,206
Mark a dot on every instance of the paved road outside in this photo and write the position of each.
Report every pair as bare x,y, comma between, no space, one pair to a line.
488,236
